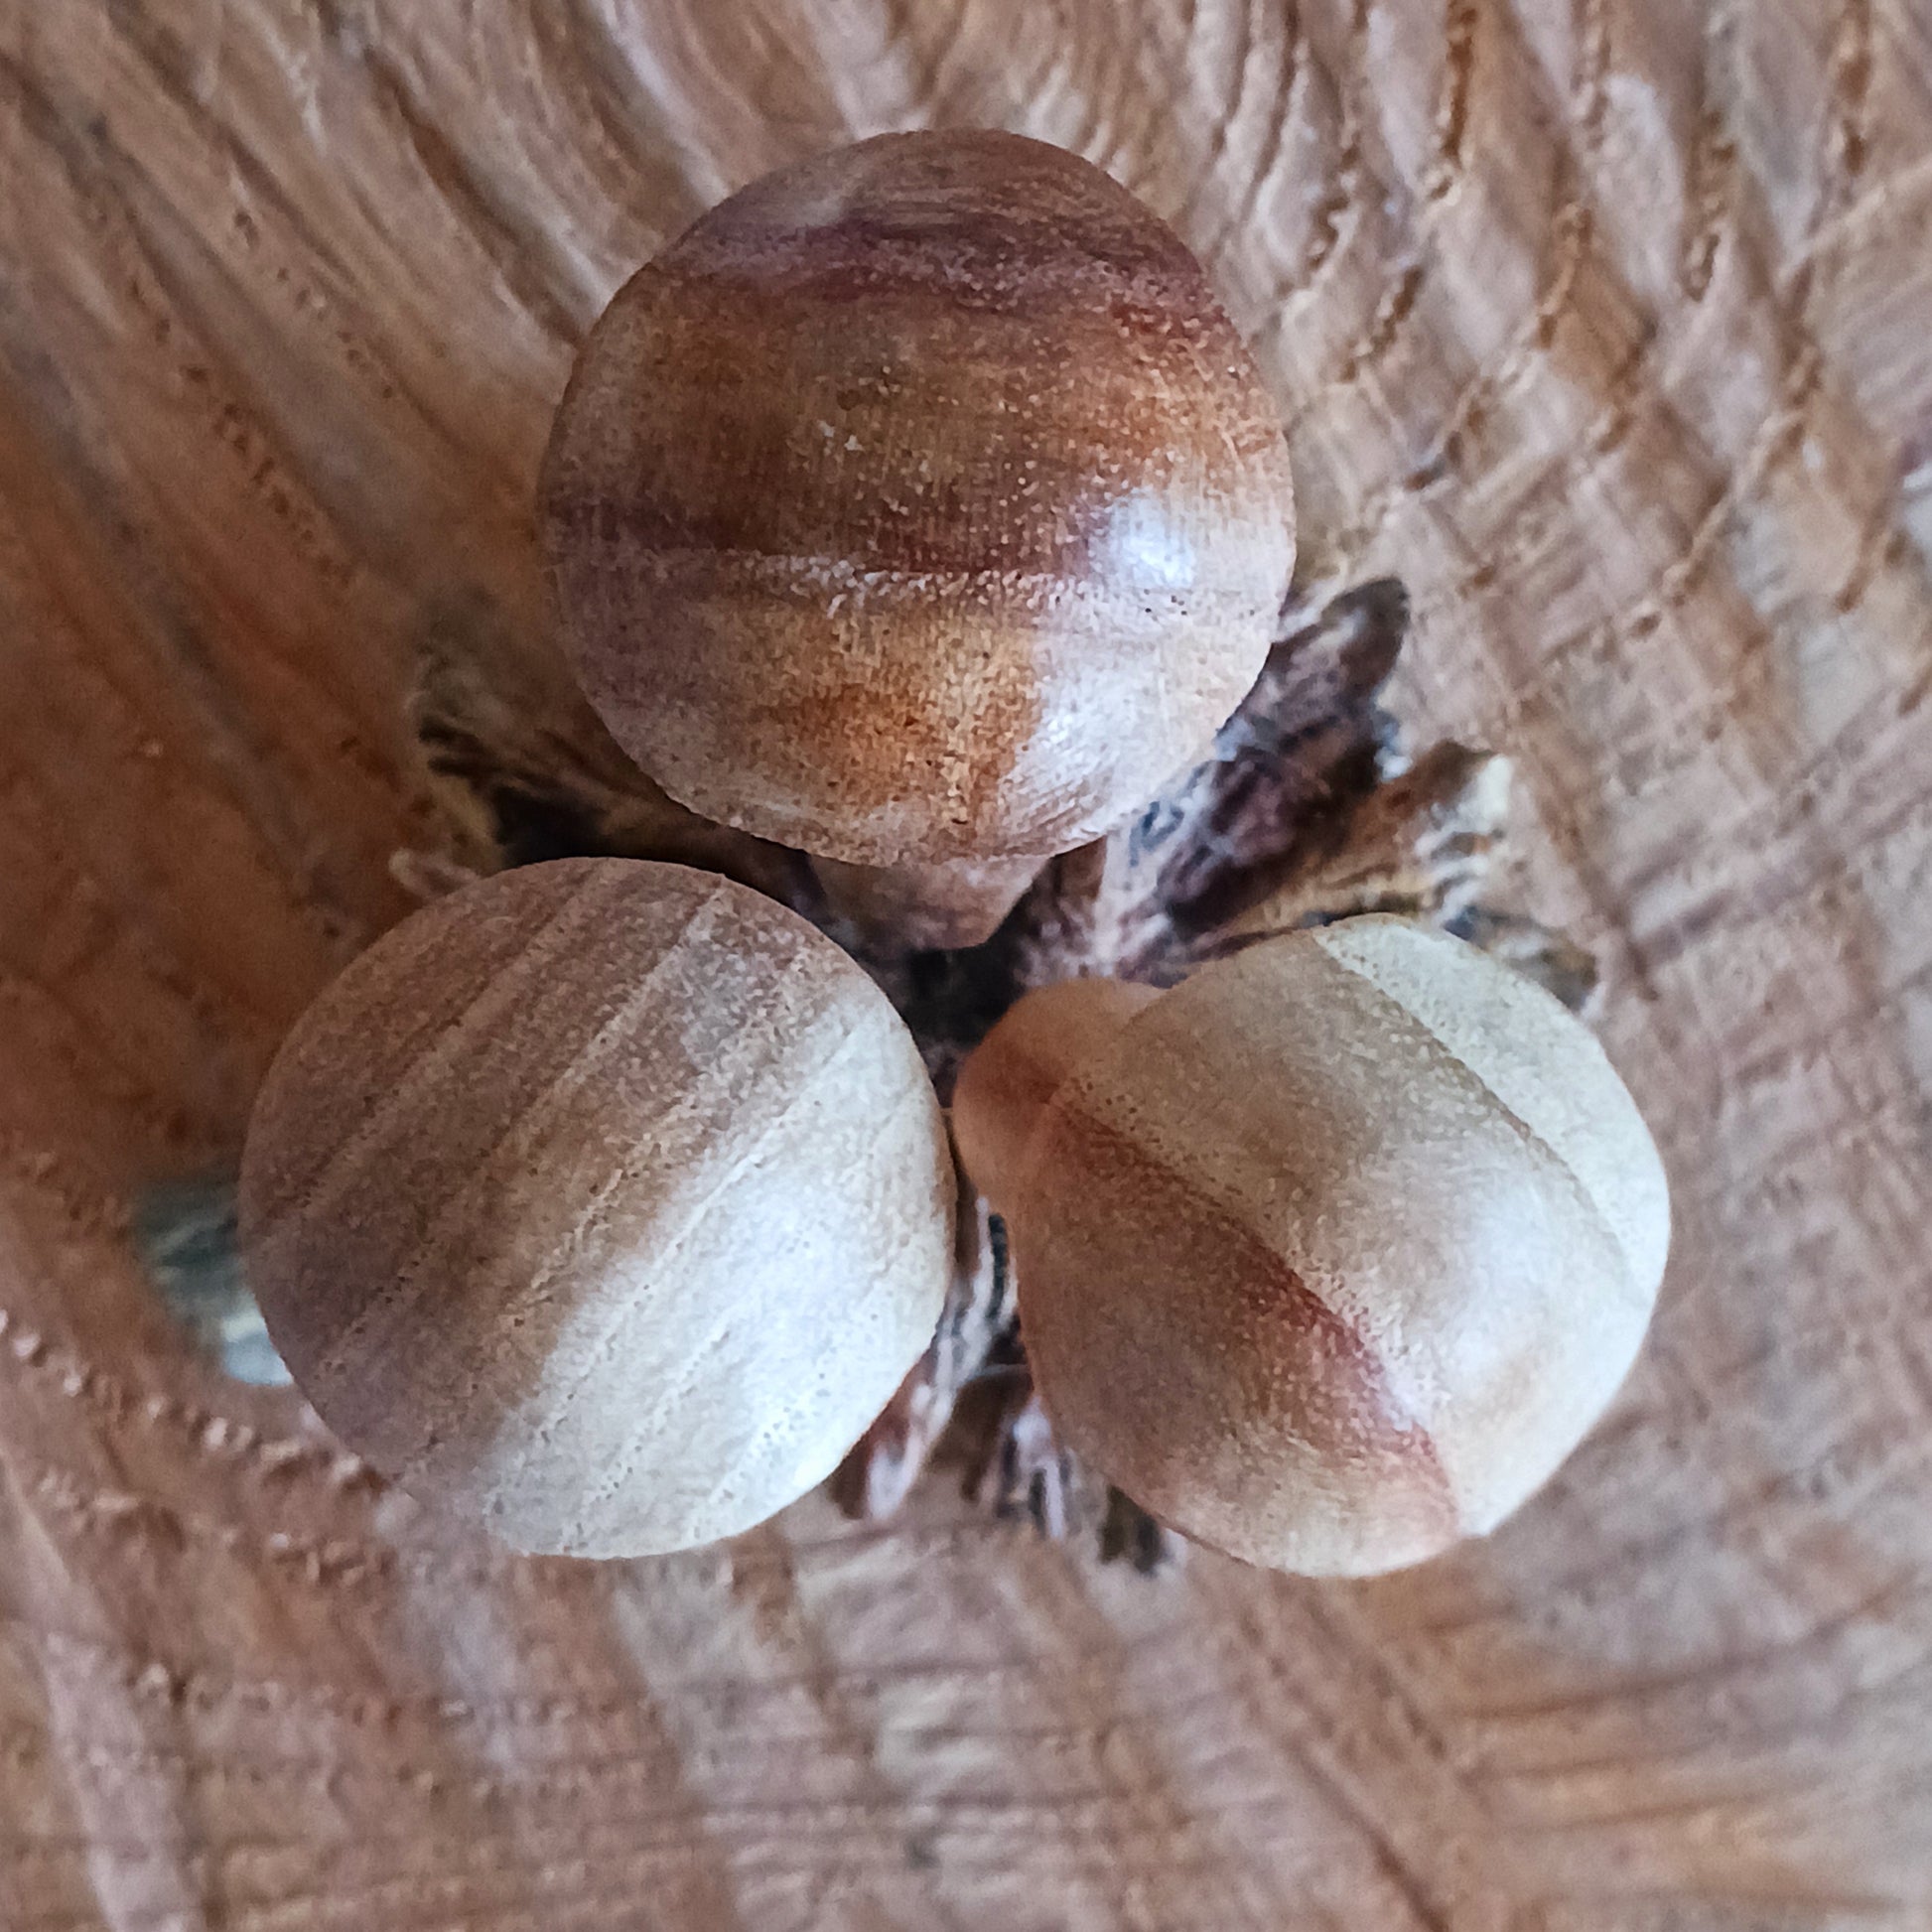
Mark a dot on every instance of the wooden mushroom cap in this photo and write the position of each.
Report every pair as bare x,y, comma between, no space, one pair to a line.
919,503
1328,1256
605,1203
1004,1088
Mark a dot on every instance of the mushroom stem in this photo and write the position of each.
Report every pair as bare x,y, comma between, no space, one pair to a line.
1023,1062
945,903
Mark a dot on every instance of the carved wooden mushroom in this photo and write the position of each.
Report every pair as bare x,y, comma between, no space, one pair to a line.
603,1201
1330,1254
920,508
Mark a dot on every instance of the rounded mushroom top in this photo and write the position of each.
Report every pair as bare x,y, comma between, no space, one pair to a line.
919,502
1332,1253
605,1203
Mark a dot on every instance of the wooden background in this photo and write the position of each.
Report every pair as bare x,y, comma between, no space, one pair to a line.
1607,325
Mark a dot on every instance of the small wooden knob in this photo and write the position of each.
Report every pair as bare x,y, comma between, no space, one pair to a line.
919,504
1329,1255
603,1203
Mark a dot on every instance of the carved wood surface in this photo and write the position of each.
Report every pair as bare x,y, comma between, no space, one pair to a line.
1602,324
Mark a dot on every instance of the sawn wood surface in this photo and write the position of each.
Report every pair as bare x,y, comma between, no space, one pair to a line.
1607,326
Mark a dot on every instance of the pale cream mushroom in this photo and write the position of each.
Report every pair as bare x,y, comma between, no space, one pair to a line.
1329,1255
603,1202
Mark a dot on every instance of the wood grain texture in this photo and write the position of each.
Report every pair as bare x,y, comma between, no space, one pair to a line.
918,505
603,1204
1332,1253
1601,322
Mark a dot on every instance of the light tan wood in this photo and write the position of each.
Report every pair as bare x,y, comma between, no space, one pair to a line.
956,903
1603,325
603,1204
1329,1255
1007,1081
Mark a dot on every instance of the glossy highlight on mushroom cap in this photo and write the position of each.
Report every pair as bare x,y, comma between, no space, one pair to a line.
920,502
603,1202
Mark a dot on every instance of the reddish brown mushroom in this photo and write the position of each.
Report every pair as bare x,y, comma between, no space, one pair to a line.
919,507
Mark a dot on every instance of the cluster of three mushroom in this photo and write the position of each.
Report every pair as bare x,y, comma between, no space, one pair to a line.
920,509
